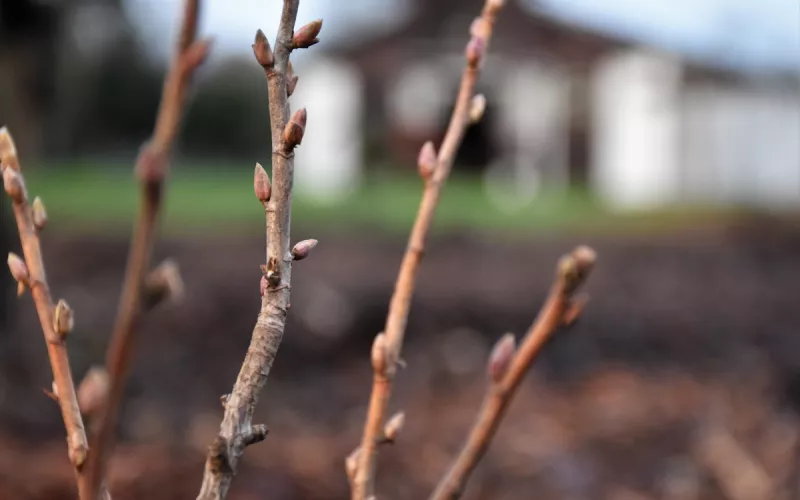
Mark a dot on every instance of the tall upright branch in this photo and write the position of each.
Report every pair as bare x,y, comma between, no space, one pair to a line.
151,169
435,170
31,274
237,430
506,368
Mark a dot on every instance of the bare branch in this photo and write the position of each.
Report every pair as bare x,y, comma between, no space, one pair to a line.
151,170
573,270
481,31
237,430
31,274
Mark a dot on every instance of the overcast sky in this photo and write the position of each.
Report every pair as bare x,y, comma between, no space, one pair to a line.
748,33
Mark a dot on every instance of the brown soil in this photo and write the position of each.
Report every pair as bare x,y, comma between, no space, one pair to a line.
684,333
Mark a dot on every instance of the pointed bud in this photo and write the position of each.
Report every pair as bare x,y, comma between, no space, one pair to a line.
351,463
477,107
263,51
39,214
18,268
426,161
77,448
573,269
291,84
476,48
63,319
93,390
14,185
306,36
8,152
500,358
196,54
294,130
393,427
302,249
261,184
263,285
379,354
163,284
55,390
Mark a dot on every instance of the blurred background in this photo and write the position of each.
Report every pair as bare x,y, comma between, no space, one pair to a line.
666,134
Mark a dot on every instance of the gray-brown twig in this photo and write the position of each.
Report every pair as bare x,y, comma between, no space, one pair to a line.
31,274
151,170
506,368
237,430
435,170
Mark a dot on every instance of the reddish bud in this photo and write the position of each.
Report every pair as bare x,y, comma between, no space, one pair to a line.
426,161
93,390
8,152
476,48
196,54
379,354
295,129
302,249
261,184
393,427
63,319
263,51
14,185
306,36
495,5
291,84
18,268
39,214
479,28
477,107
500,358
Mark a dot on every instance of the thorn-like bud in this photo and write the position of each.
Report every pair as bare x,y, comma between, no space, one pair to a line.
196,54
351,463
77,449
379,354
574,310
477,107
426,161
18,268
55,390
21,287
294,130
63,319
261,184
302,249
573,269
93,390
8,151
306,36
291,84
14,185
393,427
39,214
164,283
500,358
263,51
476,48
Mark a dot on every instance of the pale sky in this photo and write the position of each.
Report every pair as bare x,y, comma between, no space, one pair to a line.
742,33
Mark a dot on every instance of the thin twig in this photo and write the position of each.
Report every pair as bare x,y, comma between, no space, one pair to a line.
64,388
435,175
507,368
151,170
237,430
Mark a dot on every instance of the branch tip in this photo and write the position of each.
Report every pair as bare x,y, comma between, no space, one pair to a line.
8,151
573,269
